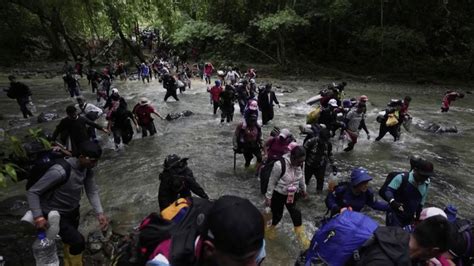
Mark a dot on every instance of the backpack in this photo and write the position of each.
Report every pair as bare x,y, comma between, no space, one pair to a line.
389,179
337,241
155,229
461,244
41,166
266,171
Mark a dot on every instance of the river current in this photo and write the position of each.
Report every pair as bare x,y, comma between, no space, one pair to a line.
128,179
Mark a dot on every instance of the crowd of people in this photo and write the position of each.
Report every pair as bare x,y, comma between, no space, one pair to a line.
231,230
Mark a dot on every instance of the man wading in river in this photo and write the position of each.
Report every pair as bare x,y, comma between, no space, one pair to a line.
21,93
55,190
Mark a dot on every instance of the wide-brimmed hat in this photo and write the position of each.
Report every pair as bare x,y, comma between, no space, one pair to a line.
144,101
359,175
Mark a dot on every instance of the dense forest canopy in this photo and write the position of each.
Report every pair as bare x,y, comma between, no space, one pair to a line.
434,36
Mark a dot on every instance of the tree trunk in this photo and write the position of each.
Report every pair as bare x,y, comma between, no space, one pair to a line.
91,19
56,51
281,44
329,36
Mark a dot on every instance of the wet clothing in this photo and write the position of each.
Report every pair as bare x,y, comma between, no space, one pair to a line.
278,190
144,119
343,196
232,76
65,199
121,125
248,141
226,103
328,117
215,92
393,130
22,94
265,103
75,129
72,85
318,154
449,97
388,247
169,83
353,121
412,196
145,73
178,182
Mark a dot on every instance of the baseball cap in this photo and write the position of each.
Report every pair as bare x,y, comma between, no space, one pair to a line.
431,211
424,168
284,133
235,226
90,149
363,98
359,175
115,90
333,102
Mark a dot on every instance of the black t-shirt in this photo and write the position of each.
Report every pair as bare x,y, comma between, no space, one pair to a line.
121,118
75,128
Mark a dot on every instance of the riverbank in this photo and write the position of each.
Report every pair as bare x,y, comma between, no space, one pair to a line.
303,71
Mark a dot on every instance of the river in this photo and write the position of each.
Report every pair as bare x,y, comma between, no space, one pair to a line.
129,182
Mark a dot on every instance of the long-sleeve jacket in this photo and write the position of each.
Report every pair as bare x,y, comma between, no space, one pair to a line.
343,196
318,152
178,183
64,198
266,100
293,177
75,128
18,90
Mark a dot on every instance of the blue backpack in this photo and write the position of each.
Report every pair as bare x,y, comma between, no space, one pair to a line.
337,240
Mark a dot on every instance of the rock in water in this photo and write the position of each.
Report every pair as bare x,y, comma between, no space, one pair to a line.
438,128
174,116
46,117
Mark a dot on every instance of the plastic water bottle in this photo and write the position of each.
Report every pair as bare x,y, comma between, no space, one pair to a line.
44,250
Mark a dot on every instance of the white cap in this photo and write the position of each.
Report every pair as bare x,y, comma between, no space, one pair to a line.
284,133
430,212
333,102
114,90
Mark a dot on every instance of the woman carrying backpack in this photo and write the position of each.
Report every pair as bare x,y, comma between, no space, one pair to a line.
355,195
282,190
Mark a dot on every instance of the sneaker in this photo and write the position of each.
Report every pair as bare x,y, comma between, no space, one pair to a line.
53,221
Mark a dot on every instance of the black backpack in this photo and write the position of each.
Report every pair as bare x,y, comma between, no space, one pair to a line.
266,171
38,169
389,179
154,229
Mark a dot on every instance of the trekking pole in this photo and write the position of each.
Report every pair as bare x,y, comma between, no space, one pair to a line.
235,159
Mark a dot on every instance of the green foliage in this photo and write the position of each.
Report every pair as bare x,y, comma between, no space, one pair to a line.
284,20
396,40
193,31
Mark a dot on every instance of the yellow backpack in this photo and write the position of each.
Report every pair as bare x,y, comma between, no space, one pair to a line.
313,116
171,211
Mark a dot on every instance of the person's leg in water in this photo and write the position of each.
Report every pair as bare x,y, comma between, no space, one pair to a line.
277,205
174,95
117,137
71,92
395,132
215,106
308,174
353,137
382,131
248,156
23,108
223,115
320,172
258,154
144,131
70,236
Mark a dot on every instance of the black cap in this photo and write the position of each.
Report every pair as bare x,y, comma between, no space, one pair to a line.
90,149
424,168
235,226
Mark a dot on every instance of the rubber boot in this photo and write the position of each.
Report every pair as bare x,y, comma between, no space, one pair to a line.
301,236
270,232
71,260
